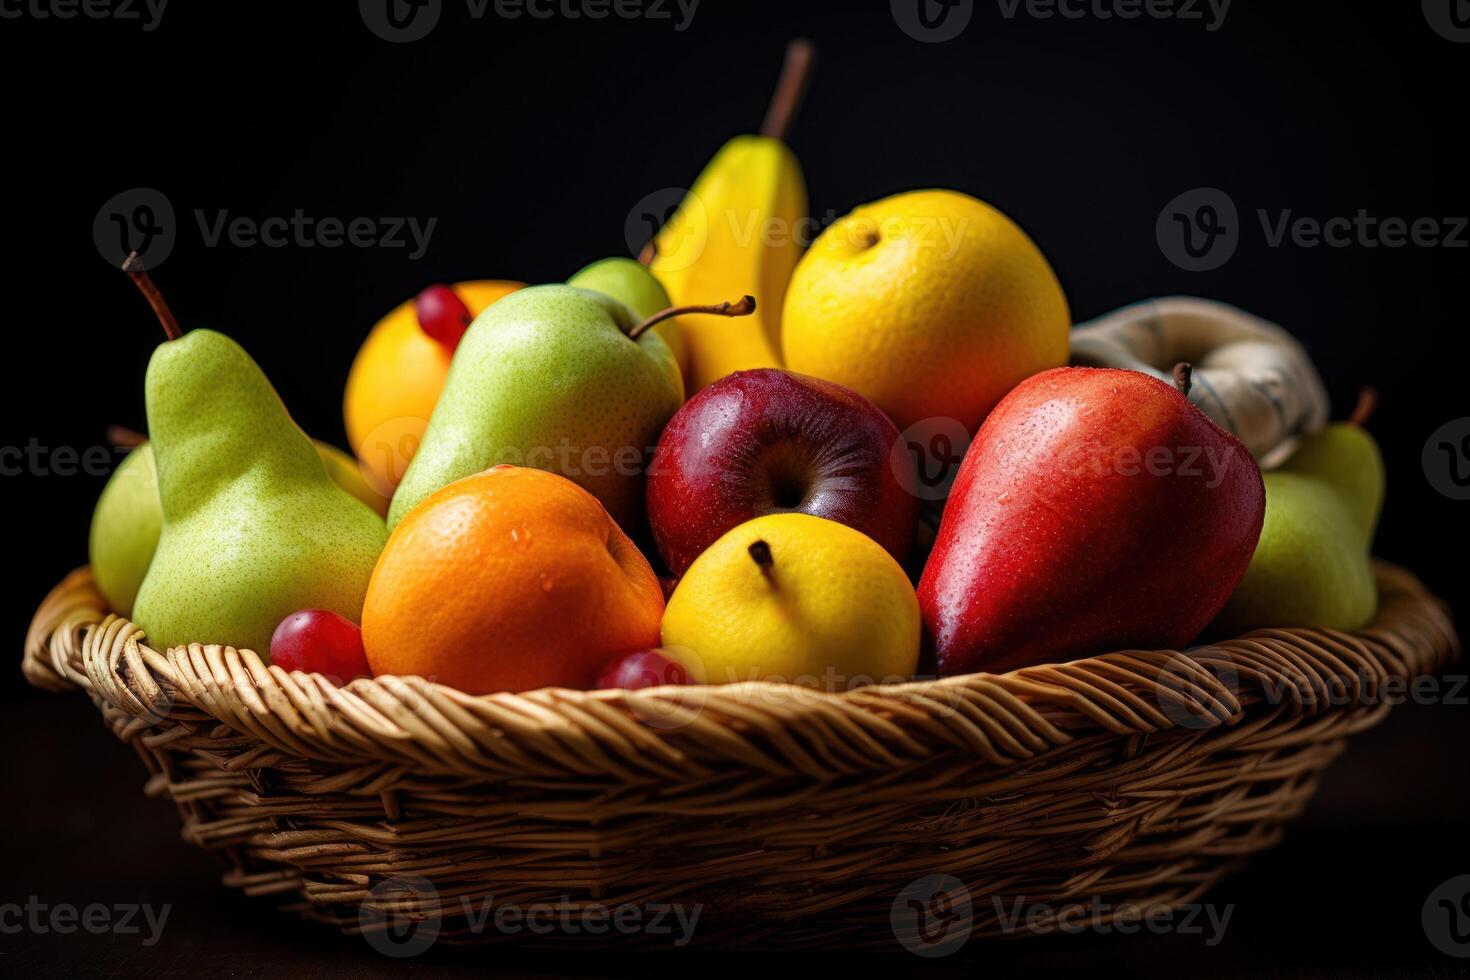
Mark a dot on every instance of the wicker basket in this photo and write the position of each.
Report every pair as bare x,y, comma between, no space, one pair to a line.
786,817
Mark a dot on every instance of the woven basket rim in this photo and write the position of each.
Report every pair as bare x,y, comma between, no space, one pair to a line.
690,732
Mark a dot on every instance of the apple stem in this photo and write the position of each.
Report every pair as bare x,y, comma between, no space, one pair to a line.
789,89
1183,377
745,306
133,266
123,437
1367,405
760,553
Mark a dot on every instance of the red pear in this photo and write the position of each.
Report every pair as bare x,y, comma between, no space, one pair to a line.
1096,510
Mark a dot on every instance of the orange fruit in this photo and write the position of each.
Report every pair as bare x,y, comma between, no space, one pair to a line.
395,382
509,580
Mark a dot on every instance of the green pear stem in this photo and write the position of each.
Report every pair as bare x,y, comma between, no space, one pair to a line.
122,437
133,266
745,306
760,553
1183,377
1367,405
789,89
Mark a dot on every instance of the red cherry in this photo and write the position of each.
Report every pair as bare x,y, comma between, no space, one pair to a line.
442,315
642,668
319,641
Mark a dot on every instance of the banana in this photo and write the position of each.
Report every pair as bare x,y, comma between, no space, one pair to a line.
1250,376
734,234
737,233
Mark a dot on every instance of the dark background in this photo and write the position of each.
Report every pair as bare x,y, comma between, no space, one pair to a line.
530,140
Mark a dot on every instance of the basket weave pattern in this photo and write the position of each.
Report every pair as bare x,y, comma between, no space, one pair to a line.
792,817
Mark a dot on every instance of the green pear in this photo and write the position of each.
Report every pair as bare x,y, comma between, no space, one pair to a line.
549,377
125,529
253,529
635,286
129,518
1311,566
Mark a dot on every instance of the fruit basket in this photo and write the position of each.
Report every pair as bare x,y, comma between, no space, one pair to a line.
787,817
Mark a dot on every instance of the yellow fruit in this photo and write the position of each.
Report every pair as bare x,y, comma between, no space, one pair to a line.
931,304
820,605
395,382
735,234
346,472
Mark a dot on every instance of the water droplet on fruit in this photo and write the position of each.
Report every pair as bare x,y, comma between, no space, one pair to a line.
1003,498
520,539
545,584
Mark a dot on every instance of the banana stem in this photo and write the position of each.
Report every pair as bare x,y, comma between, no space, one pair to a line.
1367,405
1183,377
789,89
745,306
133,266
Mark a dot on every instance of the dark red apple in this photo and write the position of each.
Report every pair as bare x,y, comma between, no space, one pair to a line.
769,441
1096,510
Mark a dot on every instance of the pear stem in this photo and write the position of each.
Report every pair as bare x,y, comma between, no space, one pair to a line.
789,89
760,553
133,266
744,307
1367,405
1183,377
122,437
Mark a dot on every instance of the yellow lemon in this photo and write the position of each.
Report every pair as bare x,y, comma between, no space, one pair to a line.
931,304
796,598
